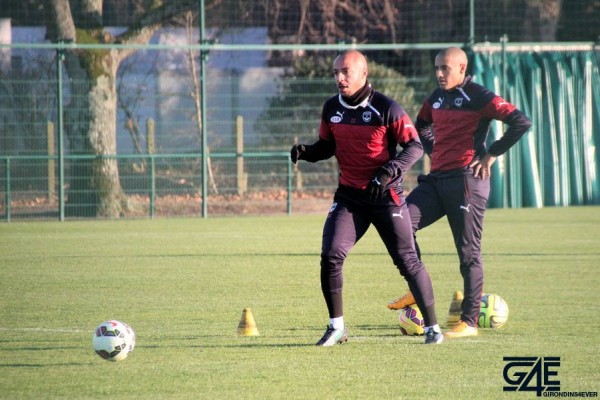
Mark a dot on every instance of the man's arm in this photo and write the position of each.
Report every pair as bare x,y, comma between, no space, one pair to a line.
404,134
412,150
320,150
424,128
518,124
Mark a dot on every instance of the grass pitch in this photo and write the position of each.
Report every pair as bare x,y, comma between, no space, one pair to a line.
182,285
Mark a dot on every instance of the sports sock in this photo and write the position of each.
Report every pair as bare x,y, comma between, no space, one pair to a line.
337,323
436,328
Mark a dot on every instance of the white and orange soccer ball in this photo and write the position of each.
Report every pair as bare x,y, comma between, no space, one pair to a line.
113,340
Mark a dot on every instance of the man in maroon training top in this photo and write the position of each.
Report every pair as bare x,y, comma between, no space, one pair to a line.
453,125
363,129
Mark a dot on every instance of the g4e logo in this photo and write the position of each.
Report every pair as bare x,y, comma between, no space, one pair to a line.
531,374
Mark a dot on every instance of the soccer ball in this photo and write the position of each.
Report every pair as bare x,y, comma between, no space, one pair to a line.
411,321
494,311
113,340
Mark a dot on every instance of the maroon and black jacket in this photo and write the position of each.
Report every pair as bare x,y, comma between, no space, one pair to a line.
453,125
365,138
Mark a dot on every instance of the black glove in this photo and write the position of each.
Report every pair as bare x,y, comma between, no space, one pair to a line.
296,152
377,186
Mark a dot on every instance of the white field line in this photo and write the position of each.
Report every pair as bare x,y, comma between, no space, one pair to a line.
44,330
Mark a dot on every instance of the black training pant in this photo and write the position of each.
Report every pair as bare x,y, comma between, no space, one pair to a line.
462,198
348,220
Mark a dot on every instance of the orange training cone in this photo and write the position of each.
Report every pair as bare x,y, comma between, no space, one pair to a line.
247,326
455,310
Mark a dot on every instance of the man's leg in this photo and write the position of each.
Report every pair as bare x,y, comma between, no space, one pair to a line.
425,205
340,233
394,227
424,208
466,200
343,228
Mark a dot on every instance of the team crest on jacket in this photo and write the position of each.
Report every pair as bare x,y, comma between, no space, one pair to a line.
332,208
458,102
366,116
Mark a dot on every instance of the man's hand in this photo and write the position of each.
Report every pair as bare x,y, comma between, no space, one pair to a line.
483,168
377,186
296,152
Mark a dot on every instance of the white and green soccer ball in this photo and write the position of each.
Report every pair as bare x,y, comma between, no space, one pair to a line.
494,311
113,340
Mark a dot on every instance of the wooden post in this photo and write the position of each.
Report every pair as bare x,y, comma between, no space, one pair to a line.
242,177
151,148
51,172
297,171
150,135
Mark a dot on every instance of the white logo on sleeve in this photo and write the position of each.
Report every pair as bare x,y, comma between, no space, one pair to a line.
396,215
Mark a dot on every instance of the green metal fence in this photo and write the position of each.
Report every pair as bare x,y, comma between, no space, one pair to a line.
163,185
251,115
198,119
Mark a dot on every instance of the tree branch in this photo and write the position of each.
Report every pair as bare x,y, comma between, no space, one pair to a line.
143,29
60,23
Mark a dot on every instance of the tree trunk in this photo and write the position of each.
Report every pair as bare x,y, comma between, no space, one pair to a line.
90,125
102,134
91,115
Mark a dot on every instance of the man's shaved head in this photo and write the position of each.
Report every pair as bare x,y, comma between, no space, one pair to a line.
450,67
454,53
350,70
355,57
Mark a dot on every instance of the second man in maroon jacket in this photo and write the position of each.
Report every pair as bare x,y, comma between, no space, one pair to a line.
453,125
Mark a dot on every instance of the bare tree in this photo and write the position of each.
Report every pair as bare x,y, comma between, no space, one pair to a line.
187,21
90,118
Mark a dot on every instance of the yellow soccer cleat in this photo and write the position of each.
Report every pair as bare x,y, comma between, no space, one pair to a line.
401,302
455,310
461,330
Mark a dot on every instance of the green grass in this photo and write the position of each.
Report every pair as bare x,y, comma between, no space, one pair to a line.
182,285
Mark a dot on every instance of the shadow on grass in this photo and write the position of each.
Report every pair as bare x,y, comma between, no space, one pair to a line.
283,254
234,346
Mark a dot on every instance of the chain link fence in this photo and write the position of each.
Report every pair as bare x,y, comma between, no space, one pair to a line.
199,121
